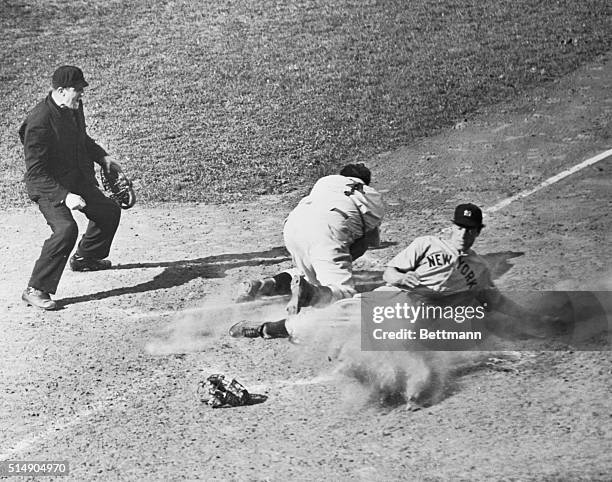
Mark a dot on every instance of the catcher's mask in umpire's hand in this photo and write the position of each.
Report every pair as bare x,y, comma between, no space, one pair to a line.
120,188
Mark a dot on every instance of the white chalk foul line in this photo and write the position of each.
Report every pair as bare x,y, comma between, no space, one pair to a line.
65,423
52,430
549,181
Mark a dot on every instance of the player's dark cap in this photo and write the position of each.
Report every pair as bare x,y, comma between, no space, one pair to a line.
68,76
359,171
468,216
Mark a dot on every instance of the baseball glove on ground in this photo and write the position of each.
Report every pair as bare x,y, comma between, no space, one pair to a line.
217,392
120,188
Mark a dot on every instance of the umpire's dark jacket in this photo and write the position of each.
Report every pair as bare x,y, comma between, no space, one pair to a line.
59,155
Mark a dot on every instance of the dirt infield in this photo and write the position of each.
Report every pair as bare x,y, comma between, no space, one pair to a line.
109,382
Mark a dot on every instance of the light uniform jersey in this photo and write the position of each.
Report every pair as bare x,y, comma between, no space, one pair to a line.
444,271
320,230
361,205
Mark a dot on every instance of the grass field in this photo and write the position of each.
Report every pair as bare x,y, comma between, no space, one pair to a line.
226,100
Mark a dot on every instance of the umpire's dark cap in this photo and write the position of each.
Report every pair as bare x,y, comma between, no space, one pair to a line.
468,216
68,76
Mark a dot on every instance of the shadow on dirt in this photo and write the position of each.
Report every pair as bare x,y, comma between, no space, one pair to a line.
383,245
256,399
498,262
177,273
225,261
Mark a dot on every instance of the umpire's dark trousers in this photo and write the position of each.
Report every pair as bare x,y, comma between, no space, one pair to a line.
103,215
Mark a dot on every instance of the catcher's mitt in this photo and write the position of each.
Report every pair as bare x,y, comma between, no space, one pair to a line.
119,187
217,392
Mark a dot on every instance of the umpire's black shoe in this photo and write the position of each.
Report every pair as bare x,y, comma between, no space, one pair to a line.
78,263
38,298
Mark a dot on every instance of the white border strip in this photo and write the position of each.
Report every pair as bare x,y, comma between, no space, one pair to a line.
549,181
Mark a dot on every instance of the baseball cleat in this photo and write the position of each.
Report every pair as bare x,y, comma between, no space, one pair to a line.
248,291
246,329
254,289
302,293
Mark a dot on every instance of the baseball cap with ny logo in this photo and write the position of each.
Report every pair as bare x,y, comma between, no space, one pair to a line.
468,215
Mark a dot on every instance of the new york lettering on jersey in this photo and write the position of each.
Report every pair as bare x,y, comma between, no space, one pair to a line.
431,258
470,272
440,267
439,259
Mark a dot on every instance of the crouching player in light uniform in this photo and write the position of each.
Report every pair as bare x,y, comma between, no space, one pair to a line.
330,228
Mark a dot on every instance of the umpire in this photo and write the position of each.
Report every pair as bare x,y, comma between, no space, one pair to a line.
60,178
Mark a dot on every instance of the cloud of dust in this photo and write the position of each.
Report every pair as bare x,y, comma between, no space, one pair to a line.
581,312
393,378
333,334
205,327
330,340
